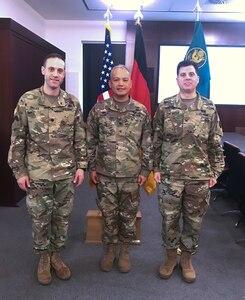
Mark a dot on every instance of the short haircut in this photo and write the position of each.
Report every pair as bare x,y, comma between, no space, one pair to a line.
186,63
52,55
119,67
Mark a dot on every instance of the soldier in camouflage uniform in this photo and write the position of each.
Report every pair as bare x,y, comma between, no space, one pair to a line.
119,149
188,158
48,157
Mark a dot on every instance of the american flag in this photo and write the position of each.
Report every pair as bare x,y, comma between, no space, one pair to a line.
107,64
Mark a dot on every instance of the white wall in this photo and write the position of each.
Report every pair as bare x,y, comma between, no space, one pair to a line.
66,35
22,13
70,35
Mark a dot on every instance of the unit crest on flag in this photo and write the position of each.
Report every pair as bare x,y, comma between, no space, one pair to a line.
197,52
198,55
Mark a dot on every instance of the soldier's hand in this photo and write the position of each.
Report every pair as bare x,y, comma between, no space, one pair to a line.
79,177
141,180
157,177
24,183
212,182
94,178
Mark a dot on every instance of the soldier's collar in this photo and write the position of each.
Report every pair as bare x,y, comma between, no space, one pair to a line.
62,98
128,106
196,105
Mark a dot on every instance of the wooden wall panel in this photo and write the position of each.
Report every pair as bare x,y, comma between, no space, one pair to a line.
231,116
21,56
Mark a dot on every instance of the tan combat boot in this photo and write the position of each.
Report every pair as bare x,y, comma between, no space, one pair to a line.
43,270
107,261
188,272
124,262
61,270
167,268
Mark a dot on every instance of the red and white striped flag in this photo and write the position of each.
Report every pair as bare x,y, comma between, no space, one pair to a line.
106,67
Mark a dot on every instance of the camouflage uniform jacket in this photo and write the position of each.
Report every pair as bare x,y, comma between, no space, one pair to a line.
116,137
48,140
187,140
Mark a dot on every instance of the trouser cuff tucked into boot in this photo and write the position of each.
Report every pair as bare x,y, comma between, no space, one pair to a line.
167,268
107,261
61,269
124,262
188,272
43,270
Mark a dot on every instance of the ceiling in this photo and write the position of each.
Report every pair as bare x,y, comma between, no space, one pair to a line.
178,10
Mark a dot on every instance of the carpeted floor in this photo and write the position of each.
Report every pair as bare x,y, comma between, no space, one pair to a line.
219,263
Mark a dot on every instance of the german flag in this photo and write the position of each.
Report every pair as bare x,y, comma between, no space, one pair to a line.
140,90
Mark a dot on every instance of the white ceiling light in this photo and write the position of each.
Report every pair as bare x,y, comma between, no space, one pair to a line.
219,1
127,4
236,6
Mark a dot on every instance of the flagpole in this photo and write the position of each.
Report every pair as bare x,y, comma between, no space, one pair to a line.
140,90
107,61
197,52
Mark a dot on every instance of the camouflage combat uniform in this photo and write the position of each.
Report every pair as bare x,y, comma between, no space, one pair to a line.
48,144
115,138
187,152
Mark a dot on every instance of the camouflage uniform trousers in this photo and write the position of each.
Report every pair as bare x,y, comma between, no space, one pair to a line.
49,204
186,198
118,199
